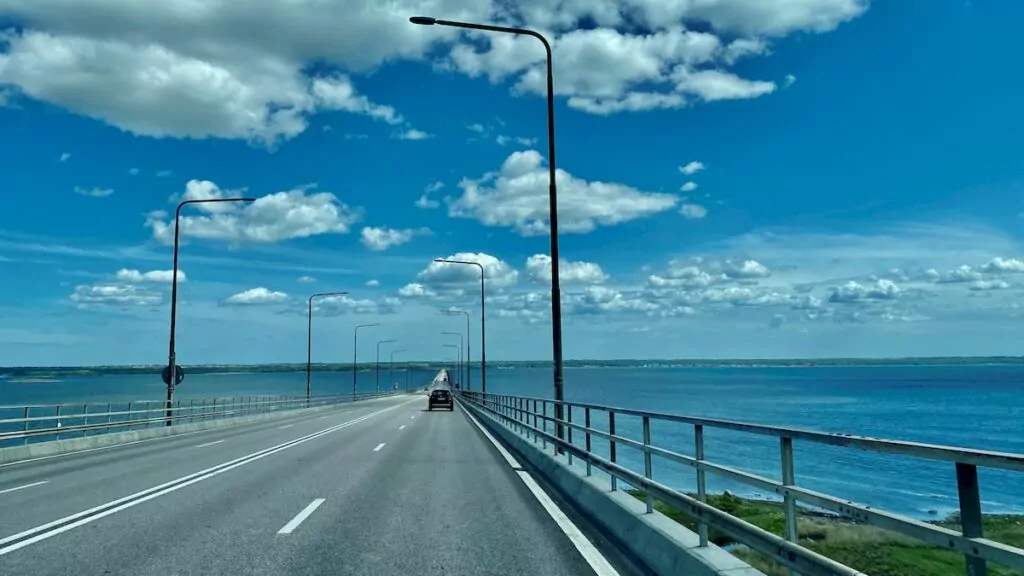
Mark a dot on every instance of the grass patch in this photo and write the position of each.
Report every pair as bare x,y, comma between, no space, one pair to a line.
871,550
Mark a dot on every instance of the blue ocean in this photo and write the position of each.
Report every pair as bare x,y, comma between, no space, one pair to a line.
966,406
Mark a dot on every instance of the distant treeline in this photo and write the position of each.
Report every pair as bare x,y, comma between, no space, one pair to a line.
39,372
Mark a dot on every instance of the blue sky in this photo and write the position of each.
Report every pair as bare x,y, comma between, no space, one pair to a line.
801,178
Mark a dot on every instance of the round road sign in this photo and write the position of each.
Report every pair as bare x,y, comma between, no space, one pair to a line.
179,375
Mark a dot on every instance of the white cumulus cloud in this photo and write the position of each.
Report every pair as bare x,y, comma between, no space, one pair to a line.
516,196
296,213
135,276
538,267
497,273
257,295
381,238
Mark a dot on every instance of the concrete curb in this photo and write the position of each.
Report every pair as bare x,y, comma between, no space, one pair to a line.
662,544
28,451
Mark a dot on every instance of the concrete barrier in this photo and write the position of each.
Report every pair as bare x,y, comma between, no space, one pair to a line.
28,451
662,544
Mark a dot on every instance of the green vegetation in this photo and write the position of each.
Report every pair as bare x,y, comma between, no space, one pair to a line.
50,372
869,549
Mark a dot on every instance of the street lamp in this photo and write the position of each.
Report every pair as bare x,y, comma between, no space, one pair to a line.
309,339
391,368
483,319
379,342
469,374
461,348
556,292
172,366
458,366
355,352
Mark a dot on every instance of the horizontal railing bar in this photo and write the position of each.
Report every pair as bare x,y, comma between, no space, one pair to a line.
163,402
978,457
193,412
807,562
163,409
945,538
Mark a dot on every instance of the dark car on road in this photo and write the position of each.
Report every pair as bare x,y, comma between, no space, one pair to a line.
441,398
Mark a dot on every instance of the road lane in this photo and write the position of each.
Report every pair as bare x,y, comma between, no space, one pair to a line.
80,482
438,499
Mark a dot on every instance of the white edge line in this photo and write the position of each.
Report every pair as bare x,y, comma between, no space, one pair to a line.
301,516
210,443
104,510
586,548
286,426
379,446
23,487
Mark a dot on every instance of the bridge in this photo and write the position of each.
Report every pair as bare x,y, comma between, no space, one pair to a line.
376,484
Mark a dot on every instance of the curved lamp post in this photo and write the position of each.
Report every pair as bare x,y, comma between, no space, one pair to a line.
483,319
458,366
556,292
469,374
379,342
391,368
309,339
462,345
355,352
172,366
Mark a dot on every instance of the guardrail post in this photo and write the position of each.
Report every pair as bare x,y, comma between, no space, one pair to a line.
177,409
213,411
25,426
611,447
586,424
647,461
544,419
534,412
129,415
85,418
789,479
568,431
57,436
702,487
108,417
970,513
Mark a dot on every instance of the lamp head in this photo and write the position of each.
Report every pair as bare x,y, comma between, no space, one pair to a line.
423,20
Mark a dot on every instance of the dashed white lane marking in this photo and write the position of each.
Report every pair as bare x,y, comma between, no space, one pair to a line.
379,446
286,426
586,548
209,444
301,516
22,487
401,427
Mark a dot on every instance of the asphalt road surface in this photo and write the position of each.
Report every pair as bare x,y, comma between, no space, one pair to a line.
378,487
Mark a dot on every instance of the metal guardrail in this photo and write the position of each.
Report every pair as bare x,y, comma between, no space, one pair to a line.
525,413
36,421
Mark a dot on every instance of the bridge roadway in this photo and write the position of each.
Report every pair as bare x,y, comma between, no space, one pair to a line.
378,487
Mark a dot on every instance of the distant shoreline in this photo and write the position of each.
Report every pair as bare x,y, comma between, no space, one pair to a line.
37,373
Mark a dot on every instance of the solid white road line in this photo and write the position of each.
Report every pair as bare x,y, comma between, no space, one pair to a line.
401,427
23,487
60,525
379,446
209,444
586,548
286,426
301,516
